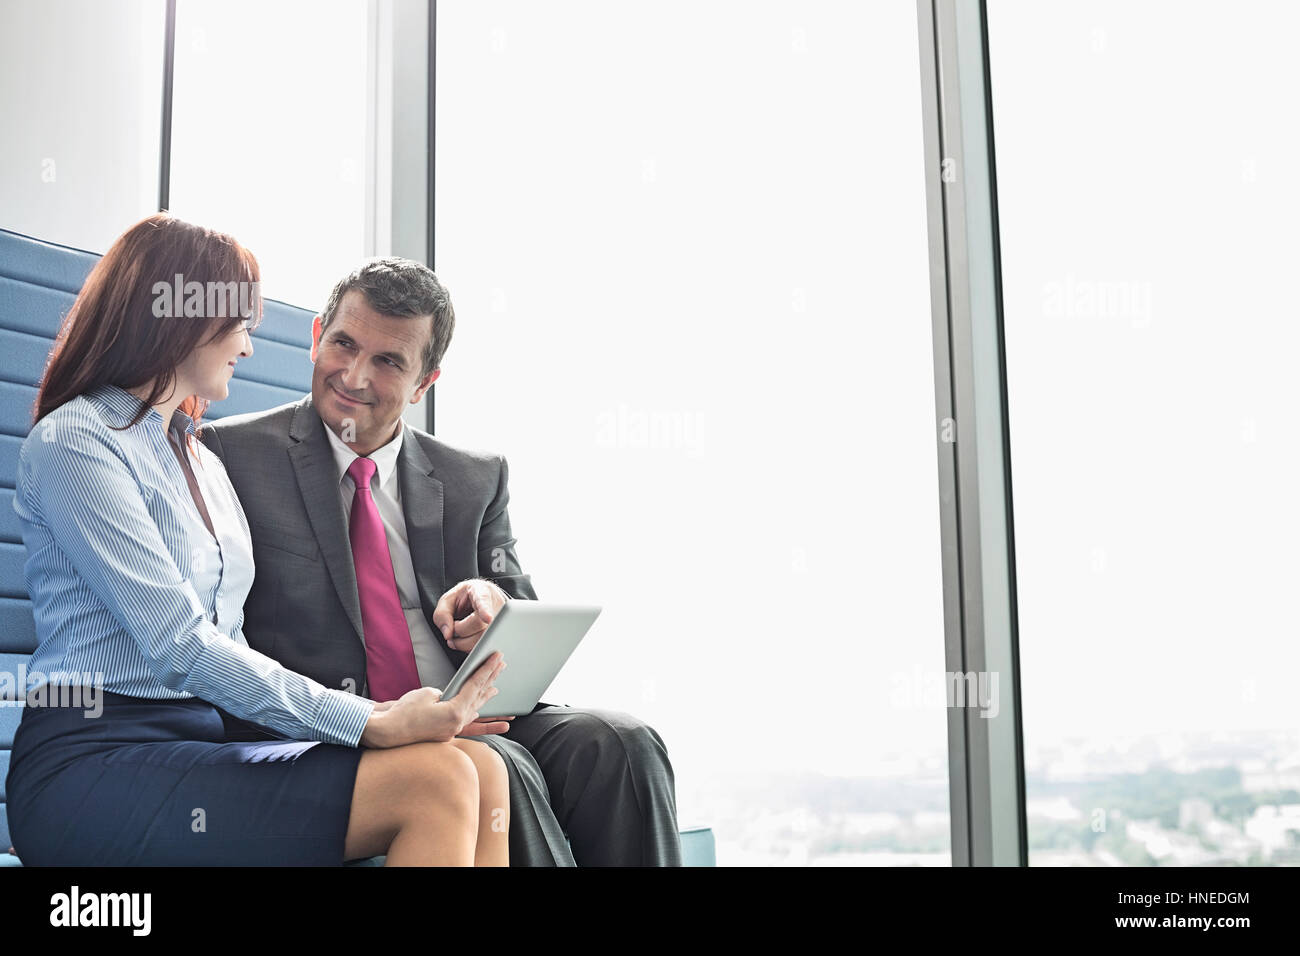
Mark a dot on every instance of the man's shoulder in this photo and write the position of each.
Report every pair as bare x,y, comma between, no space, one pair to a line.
454,454
272,422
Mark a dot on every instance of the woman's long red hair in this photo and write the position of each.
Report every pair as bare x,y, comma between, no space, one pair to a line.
112,334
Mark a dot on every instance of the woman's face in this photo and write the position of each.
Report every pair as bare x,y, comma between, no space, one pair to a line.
207,370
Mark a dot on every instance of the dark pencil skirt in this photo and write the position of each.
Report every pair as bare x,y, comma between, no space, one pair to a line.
162,783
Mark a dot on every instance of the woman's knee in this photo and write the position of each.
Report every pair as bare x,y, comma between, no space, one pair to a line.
443,765
493,783
409,786
431,772
490,766
487,762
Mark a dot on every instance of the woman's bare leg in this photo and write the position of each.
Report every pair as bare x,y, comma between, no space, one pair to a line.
493,803
418,804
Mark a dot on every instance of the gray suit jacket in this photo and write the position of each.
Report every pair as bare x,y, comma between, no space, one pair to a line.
303,609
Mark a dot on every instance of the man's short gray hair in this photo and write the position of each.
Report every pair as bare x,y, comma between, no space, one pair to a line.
400,287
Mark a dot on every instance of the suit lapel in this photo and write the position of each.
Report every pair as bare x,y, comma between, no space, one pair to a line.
318,482
422,501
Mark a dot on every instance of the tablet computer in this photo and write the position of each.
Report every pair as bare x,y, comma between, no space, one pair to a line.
535,639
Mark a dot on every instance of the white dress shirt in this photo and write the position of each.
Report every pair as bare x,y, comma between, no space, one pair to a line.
432,663
222,572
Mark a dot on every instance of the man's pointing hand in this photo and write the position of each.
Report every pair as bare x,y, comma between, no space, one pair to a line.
466,610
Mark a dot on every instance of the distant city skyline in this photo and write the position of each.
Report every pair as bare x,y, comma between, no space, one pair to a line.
1137,812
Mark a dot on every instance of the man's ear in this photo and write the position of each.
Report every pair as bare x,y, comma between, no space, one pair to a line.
424,385
315,337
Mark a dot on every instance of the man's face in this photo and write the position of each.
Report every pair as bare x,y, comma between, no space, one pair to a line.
367,371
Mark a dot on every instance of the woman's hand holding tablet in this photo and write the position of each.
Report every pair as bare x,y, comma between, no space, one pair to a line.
422,715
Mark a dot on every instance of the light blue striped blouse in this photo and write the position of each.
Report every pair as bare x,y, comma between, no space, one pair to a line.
128,585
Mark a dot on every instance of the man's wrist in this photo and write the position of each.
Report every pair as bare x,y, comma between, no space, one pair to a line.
496,587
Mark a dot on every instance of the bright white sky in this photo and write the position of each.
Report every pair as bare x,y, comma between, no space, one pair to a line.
714,214
1147,190
269,134
711,216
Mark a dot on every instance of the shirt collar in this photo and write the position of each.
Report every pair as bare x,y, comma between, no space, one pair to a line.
181,422
125,405
384,457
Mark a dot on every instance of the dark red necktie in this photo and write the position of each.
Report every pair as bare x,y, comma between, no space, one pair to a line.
390,657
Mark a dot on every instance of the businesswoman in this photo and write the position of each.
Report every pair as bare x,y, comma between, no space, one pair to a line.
138,562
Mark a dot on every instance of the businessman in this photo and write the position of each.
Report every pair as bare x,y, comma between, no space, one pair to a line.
601,777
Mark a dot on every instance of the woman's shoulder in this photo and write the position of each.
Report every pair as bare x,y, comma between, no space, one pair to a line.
76,428
70,450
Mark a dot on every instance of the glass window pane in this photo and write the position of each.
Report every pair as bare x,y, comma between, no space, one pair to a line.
270,132
687,248
1147,210
81,97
